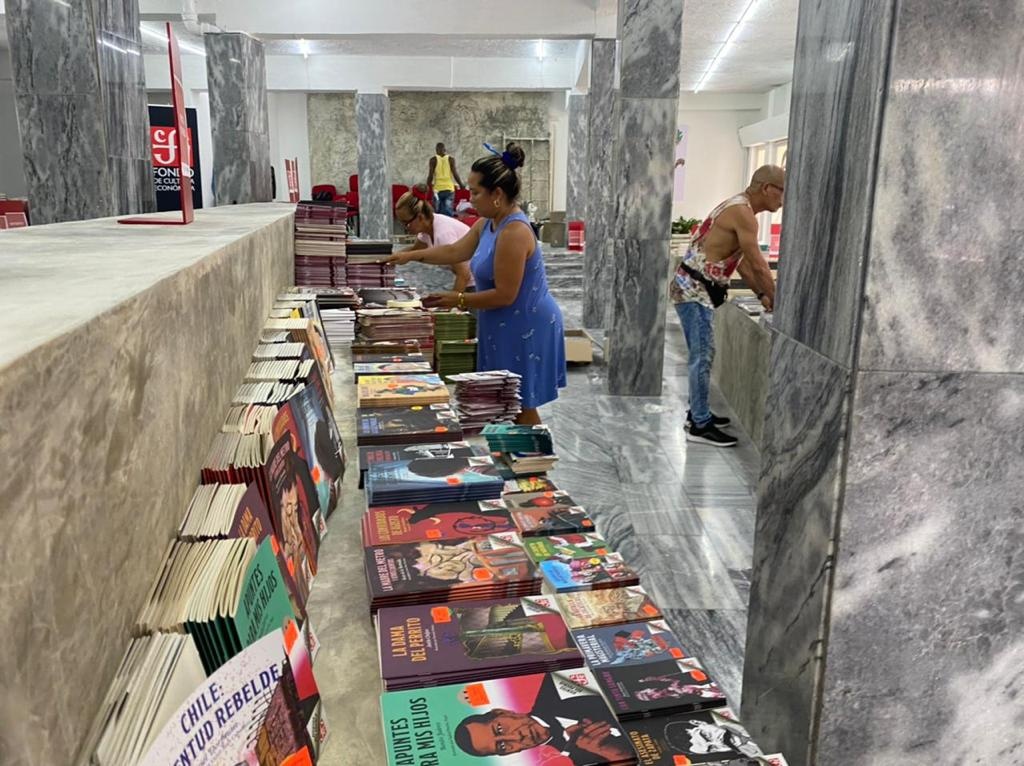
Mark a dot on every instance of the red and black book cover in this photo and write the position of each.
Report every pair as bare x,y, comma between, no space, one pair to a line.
406,425
707,737
293,496
631,644
388,525
667,686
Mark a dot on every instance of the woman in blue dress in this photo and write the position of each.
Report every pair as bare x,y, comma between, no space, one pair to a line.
519,325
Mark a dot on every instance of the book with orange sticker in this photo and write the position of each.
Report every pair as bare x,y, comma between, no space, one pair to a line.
401,390
654,688
707,738
577,545
613,606
392,524
553,719
630,644
419,424
427,479
548,512
493,566
436,644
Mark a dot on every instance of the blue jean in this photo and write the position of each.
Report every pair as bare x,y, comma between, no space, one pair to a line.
698,330
445,203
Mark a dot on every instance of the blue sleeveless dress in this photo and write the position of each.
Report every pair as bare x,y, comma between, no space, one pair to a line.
526,337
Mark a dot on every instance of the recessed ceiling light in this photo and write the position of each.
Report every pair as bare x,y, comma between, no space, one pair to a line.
304,48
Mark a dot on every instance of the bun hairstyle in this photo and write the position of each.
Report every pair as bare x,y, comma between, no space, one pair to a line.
498,170
413,206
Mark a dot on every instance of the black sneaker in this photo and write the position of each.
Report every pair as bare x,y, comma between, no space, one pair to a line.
715,421
710,434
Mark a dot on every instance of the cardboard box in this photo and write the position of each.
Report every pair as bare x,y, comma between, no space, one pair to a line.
578,347
553,233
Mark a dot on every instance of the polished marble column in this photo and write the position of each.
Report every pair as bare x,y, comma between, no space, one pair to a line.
886,623
579,128
80,94
373,133
651,34
237,77
598,275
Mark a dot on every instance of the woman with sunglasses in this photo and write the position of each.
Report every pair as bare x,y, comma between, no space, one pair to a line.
432,229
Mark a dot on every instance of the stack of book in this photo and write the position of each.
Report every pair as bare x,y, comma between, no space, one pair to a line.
503,437
401,425
548,512
369,455
466,569
320,243
364,267
487,397
392,365
424,522
429,479
395,325
382,297
391,347
401,390
455,341
433,645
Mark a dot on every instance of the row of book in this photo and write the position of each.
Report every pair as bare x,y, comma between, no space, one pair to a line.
326,257
508,630
220,666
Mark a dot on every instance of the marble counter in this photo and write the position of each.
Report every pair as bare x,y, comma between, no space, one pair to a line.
119,352
742,348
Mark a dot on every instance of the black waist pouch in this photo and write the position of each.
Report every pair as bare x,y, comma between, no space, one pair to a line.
718,293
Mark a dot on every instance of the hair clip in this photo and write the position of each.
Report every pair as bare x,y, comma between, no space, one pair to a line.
507,159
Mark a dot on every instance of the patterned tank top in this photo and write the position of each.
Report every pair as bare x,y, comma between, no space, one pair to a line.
684,288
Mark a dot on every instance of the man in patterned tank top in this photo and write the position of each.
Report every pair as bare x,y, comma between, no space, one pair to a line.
725,242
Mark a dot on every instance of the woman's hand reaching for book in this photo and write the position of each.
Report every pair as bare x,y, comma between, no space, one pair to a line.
447,300
402,258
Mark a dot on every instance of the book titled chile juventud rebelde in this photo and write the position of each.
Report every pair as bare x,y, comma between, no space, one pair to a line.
529,720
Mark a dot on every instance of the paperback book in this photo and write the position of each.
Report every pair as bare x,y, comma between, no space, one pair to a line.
401,390
389,525
705,737
494,566
529,720
527,484
419,424
633,643
425,480
654,688
391,454
569,546
438,644
612,606
596,572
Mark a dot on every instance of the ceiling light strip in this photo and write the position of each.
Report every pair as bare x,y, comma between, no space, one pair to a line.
721,51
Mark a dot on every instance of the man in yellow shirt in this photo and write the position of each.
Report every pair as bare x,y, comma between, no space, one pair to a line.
442,175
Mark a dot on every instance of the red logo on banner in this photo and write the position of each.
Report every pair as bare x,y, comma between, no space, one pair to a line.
164,146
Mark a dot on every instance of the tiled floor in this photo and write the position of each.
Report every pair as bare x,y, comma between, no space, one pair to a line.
682,514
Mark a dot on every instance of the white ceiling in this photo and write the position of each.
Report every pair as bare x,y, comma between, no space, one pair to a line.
759,58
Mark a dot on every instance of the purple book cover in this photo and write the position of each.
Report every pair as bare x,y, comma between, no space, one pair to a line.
450,638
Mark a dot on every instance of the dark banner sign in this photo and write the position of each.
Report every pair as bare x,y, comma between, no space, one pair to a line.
164,146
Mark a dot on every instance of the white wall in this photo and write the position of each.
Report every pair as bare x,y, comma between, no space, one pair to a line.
775,125
289,138
12,162
715,158
560,150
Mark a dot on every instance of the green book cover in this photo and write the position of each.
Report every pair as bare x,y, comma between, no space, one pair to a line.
531,720
568,546
263,605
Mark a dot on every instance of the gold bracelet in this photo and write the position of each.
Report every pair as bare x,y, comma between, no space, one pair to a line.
462,301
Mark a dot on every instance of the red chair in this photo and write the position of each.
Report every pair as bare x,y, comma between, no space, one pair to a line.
460,196
424,193
353,183
397,190
326,188
352,200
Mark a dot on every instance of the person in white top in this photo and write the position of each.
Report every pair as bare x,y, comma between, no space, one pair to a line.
432,229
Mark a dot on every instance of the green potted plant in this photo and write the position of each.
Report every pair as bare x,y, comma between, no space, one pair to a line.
684,225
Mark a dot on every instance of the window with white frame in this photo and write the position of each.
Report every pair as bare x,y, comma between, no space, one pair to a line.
770,153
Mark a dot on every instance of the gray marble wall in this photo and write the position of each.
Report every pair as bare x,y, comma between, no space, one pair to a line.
332,138
885,620
115,374
373,132
601,185
651,34
579,133
237,77
81,104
